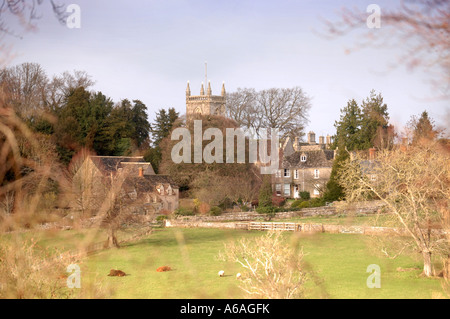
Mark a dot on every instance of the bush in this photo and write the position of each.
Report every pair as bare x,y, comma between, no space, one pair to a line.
278,201
304,204
268,211
183,212
317,202
305,195
160,218
265,193
265,210
204,208
244,208
314,202
215,211
296,203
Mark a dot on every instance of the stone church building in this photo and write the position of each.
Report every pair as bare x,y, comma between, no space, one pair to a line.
205,104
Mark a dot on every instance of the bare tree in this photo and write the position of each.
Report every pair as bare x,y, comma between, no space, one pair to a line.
25,84
272,267
282,109
422,28
414,183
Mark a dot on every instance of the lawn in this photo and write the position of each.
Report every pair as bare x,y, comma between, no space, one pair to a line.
337,263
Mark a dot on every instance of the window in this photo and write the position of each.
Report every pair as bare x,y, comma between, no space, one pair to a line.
296,174
303,158
278,189
316,189
373,177
316,173
278,173
287,173
287,189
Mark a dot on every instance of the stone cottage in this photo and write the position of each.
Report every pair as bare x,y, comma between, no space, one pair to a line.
141,188
304,167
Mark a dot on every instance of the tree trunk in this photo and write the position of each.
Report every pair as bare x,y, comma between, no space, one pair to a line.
446,270
427,265
112,240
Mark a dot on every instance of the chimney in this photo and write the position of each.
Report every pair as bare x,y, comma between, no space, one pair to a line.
328,140
372,152
321,140
141,172
311,138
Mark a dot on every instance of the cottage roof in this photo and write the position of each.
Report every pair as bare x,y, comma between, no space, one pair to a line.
314,158
147,183
107,164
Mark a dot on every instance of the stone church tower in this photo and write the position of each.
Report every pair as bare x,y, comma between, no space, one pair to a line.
205,104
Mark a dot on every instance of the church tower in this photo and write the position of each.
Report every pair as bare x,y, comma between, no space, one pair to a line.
205,104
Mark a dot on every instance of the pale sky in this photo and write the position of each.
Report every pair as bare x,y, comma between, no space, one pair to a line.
148,50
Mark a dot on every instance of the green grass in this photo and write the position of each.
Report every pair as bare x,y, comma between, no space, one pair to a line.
365,220
338,264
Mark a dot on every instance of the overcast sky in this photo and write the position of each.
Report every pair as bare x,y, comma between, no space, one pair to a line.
148,50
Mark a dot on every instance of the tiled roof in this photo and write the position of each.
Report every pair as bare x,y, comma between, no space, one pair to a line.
107,164
316,158
147,183
112,163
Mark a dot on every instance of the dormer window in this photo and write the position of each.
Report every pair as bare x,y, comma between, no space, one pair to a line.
303,158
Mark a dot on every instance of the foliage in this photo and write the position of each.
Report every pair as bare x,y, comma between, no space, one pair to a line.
304,195
278,201
183,212
165,121
272,266
27,273
421,128
413,182
215,211
214,182
265,193
285,109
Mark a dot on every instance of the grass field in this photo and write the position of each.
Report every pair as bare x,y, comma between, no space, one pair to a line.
338,264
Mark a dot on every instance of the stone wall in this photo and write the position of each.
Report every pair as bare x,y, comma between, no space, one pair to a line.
298,227
359,209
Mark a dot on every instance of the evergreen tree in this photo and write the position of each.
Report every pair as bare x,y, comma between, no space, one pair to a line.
160,129
348,128
265,192
374,116
358,128
422,128
139,119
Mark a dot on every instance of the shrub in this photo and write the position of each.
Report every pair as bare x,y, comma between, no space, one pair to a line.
296,203
160,218
317,202
215,211
204,208
265,193
244,208
183,212
278,201
305,195
268,211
